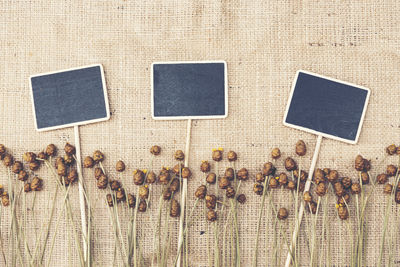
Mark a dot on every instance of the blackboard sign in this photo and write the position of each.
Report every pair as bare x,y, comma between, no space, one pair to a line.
326,107
69,97
189,90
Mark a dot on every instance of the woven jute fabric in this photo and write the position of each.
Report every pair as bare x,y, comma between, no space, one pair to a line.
264,43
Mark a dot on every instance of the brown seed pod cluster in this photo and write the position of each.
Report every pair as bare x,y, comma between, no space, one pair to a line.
276,153
179,155
362,164
392,149
205,166
301,149
155,150
343,212
283,213
175,209
290,164
217,154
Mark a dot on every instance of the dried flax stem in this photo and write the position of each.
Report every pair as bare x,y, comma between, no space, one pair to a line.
259,223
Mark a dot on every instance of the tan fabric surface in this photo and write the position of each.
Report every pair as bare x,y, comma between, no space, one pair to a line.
263,42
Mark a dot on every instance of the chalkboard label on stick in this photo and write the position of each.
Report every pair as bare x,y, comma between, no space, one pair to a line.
69,97
189,90
326,107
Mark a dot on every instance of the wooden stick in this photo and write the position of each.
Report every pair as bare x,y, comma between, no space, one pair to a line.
81,194
184,193
306,188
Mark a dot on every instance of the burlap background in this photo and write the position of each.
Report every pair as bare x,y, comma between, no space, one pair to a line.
263,42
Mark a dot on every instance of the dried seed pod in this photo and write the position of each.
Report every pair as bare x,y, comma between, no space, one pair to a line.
333,176
177,169
102,182
273,183
346,182
201,192
17,167
258,189
230,174
388,189
58,161
343,213
205,166
302,185
290,164
319,176
144,192
211,178
326,171
42,156
355,188
68,159
364,177
276,153
36,184
33,166
27,187
115,185
72,176
88,162
120,195
164,176
51,150
345,199
175,210
98,156
5,199
268,169
211,215
186,173
175,184
260,178
382,178
211,201
391,170
138,177
312,206
142,206
110,200
367,165
120,166
69,149
131,200
397,197
282,214
241,198
339,189
232,156
8,160
224,183
243,174
98,172
61,169
292,185
391,150
307,197
301,149
230,192
2,149
179,155
29,157
64,181
217,155
321,189
283,179
359,163
167,194
303,175
155,150
151,178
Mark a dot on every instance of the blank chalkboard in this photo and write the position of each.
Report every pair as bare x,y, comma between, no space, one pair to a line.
69,97
326,107
189,90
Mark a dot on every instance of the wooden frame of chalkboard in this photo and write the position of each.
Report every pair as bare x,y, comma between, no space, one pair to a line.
321,133
107,117
190,117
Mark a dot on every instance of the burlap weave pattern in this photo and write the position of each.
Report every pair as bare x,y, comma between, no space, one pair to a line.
263,43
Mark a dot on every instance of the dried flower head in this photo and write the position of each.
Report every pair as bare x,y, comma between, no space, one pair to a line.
36,184
230,192
232,156
241,198
1,189
201,192
22,175
120,195
205,166
211,178
186,173
151,178
167,194
217,155
362,164
302,185
388,189
339,189
391,150
69,149
268,169
391,170
382,178
115,185
98,156
283,179
282,214
211,201
2,149
364,177
177,169
211,215
326,171
179,155
88,162
58,161
276,153
68,159
312,206
144,192
273,182
397,197
321,189
51,150
260,178
17,167
175,210
142,206
292,185
27,187
164,176
131,200
155,150
345,199
243,174
175,184
120,166
333,176
61,168
138,177
5,199
307,197
290,164
356,188
102,182
42,156
346,182
97,173
72,176
319,176
303,175
230,174
343,212
258,189
8,160
33,166
110,200
301,149
29,157
224,183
